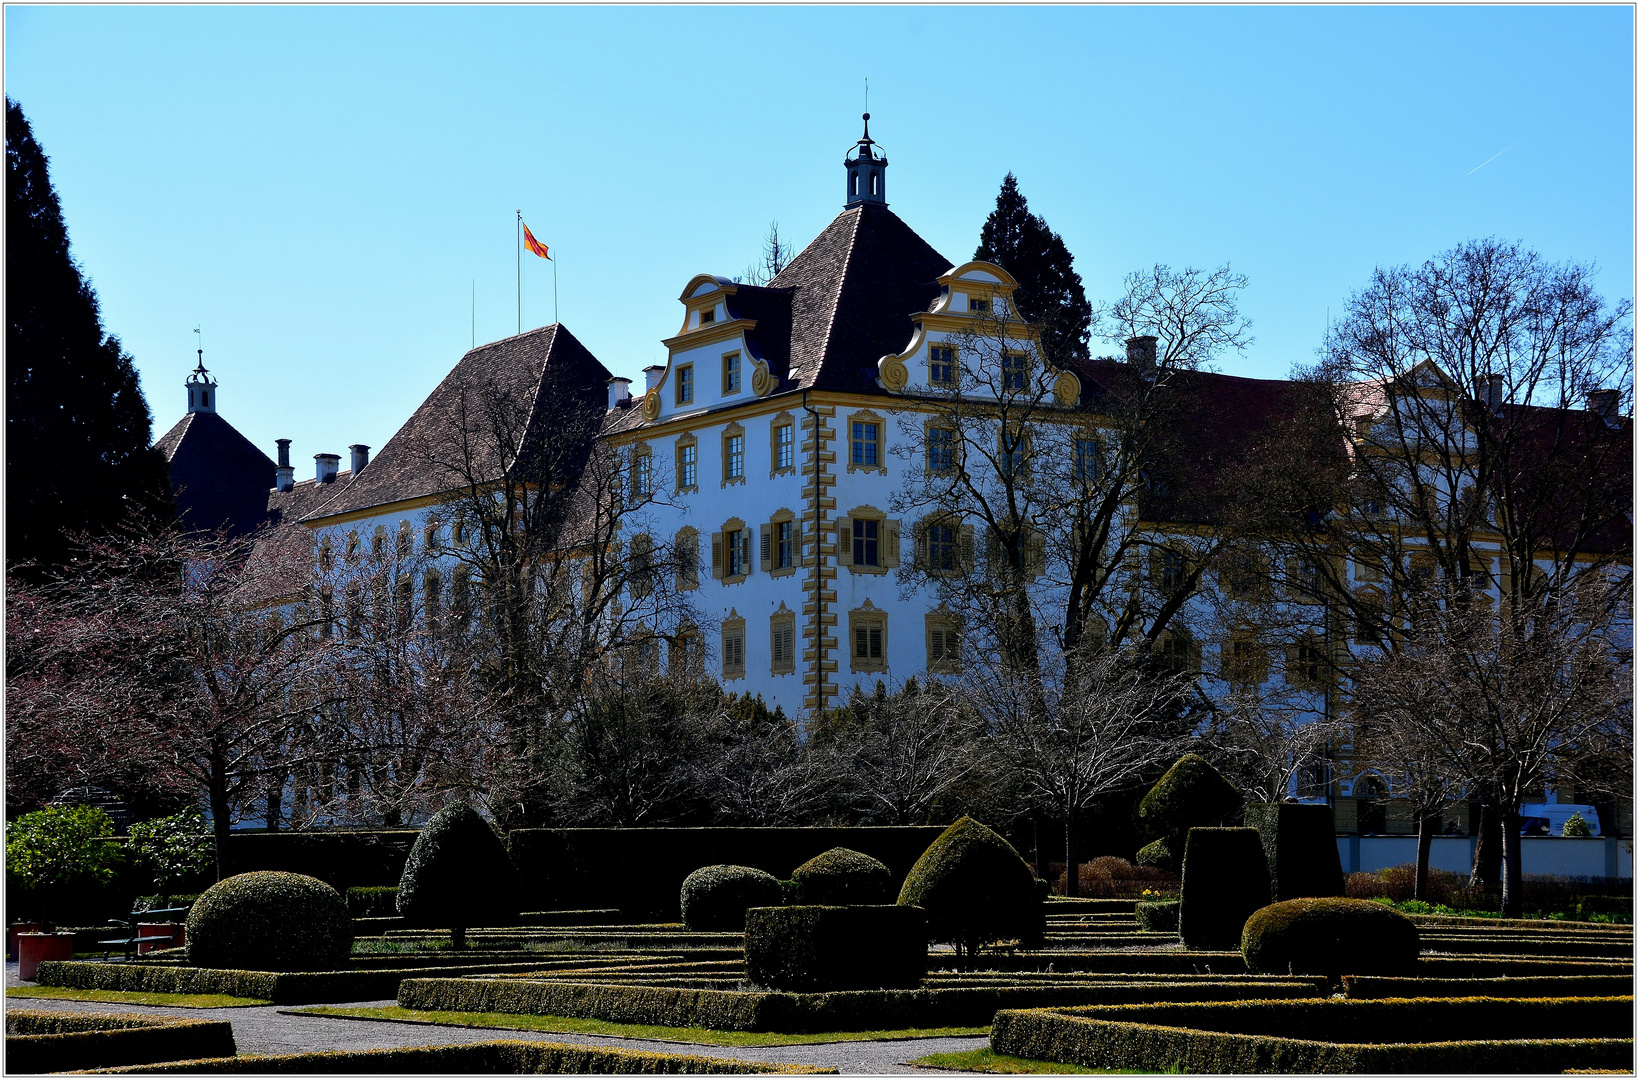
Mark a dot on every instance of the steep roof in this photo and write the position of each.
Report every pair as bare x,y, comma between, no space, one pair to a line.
517,368
219,477
853,290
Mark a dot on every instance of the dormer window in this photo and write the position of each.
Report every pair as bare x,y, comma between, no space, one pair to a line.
977,306
731,373
708,315
942,365
685,384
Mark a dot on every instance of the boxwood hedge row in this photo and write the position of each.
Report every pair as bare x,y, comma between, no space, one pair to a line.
39,1040
845,1010
1388,986
499,1056
1404,1035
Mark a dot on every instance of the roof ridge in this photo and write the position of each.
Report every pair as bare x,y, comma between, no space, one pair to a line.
836,294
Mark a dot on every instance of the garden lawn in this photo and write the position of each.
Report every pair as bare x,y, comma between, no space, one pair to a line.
572,1025
134,997
986,1060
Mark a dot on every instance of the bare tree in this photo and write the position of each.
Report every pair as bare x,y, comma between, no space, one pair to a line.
777,255
753,769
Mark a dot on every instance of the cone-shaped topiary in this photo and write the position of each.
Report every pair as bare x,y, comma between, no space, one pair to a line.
716,897
842,876
1329,936
1225,880
458,875
1191,794
976,890
269,920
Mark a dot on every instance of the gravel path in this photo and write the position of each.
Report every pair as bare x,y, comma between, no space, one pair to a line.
266,1029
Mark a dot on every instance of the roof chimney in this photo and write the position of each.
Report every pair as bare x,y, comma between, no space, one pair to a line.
652,375
284,475
1605,403
620,391
1141,349
361,457
324,467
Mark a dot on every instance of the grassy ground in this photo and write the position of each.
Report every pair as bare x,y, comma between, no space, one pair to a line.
574,1026
987,1060
133,997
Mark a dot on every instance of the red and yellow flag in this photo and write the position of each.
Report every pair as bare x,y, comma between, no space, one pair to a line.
535,246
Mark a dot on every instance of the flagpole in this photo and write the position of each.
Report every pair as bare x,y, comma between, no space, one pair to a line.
518,235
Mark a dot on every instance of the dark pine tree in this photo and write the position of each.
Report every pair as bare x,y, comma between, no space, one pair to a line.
1049,292
78,453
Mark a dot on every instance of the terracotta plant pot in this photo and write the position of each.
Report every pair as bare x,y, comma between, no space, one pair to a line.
19,928
178,932
33,949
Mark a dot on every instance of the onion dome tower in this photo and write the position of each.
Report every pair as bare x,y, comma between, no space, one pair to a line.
867,171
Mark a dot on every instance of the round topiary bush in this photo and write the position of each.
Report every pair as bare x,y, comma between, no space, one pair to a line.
814,948
458,875
1329,936
269,920
976,890
842,876
716,897
1191,794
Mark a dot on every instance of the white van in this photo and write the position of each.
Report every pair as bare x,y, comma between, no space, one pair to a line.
1548,819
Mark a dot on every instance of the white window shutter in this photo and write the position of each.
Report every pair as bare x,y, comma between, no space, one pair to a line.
717,555
890,544
845,541
767,559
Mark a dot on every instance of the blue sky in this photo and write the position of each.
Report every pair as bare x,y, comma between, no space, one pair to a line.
319,188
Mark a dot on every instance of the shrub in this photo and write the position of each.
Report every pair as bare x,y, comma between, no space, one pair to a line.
1225,880
1329,936
1112,877
173,850
790,891
269,920
810,947
1158,855
975,889
42,1040
1191,794
458,875
1399,883
841,876
1158,916
372,901
1300,845
716,897
1575,826
60,848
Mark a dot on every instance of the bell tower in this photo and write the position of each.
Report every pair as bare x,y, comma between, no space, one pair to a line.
867,171
201,388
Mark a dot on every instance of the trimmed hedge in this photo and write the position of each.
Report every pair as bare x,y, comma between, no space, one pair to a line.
1329,936
1300,845
1385,986
876,947
1523,945
1191,794
373,902
512,1056
1158,916
268,920
40,1040
716,897
847,1010
459,874
1225,880
975,889
1427,1035
1159,854
842,876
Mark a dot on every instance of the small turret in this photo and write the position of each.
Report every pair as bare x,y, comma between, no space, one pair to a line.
867,171
201,388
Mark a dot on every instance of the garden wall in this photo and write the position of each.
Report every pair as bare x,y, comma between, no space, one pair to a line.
1560,856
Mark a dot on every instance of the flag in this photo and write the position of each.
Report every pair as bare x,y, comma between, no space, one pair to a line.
535,246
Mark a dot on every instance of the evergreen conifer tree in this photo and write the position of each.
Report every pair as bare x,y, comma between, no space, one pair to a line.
78,453
1049,292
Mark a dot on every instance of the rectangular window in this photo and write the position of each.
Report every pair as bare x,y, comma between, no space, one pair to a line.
731,373
687,467
432,587
944,646
688,559
784,446
734,457
461,596
783,643
685,384
941,450
735,550
784,545
643,475
942,547
942,365
1015,453
868,644
1169,569
708,316
1013,371
864,443
1086,461
1306,664
975,304
865,542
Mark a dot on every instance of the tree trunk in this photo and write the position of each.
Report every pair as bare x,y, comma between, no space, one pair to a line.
275,801
1072,881
458,937
1425,844
1487,852
220,822
1511,877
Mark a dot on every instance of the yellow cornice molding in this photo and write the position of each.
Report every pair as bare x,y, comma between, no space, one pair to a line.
713,333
